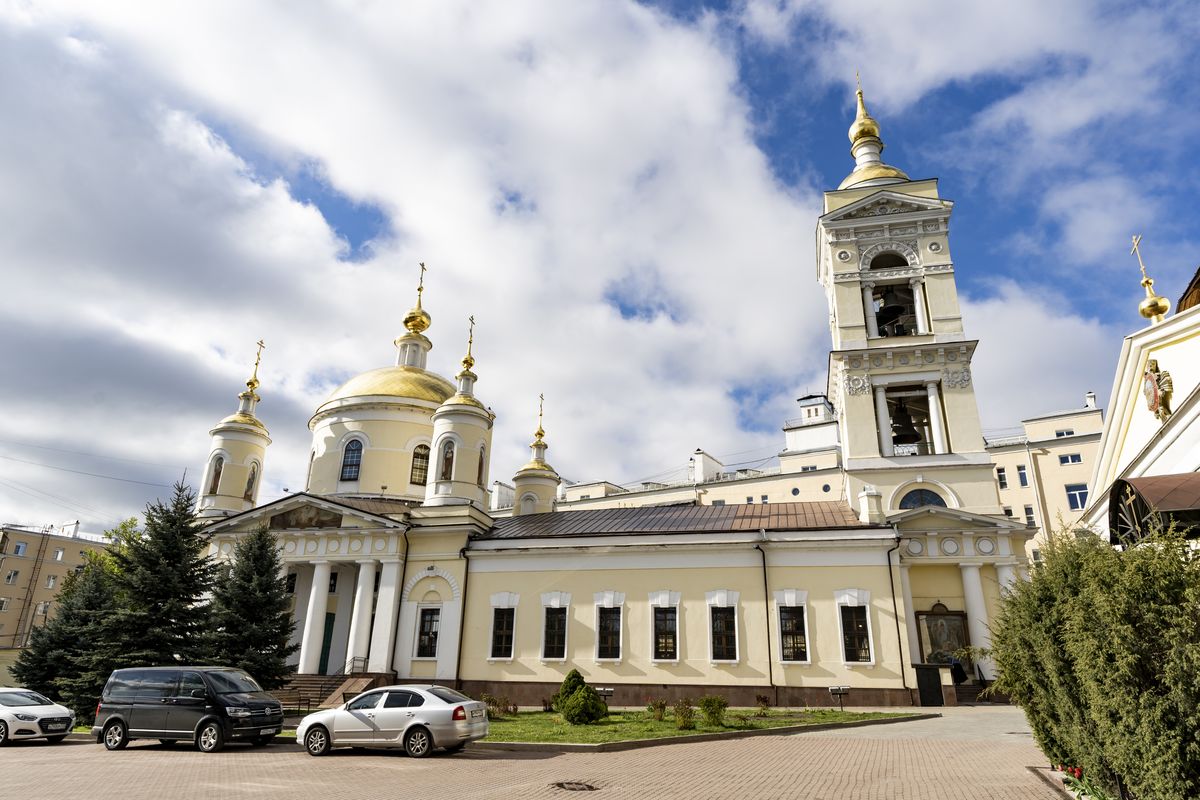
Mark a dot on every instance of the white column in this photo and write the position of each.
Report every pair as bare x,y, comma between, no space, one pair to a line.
868,290
314,620
387,608
910,618
1007,573
977,616
935,418
884,422
918,290
360,618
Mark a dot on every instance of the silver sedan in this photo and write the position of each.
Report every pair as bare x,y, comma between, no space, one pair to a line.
418,718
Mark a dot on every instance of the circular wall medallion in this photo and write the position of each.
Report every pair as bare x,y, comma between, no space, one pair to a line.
855,363
904,360
877,361
290,547
310,546
843,255
952,356
935,247
929,358
355,545
915,548
380,544
333,545
950,546
985,546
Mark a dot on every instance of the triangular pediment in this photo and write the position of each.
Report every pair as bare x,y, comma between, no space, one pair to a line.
937,518
303,511
885,204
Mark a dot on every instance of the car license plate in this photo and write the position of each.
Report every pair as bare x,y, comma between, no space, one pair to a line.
56,726
476,713
267,731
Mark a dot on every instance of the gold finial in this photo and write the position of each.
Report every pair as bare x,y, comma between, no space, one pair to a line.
540,434
253,383
864,125
1154,307
468,360
417,319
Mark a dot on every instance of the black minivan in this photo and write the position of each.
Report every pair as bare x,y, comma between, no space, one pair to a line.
205,705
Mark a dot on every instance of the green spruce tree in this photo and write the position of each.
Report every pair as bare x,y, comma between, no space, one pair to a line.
163,577
252,621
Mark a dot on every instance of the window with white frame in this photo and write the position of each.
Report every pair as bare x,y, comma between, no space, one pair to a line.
58,554
43,609
504,625
722,625
793,625
4,601
351,460
664,626
1001,477
854,621
554,625
1077,494
12,575
1064,432
1070,458
19,549
51,581
1022,478
608,625
428,621
1029,516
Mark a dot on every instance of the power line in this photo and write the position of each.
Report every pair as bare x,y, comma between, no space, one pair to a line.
90,474
63,501
91,455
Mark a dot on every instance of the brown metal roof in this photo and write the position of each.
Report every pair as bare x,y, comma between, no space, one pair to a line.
1180,492
679,519
374,505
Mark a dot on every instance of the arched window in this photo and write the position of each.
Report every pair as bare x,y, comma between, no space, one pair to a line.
447,471
250,481
420,467
217,467
527,504
351,460
482,461
922,497
888,260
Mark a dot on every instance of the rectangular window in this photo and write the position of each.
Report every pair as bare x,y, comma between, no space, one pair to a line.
1007,511
792,636
290,583
1077,494
51,580
333,583
1021,476
718,502
1070,458
764,499
43,609
554,639
1029,516
1001,477
3,604
427,632
608,633
750,499
1064,432
724,633
809,468
11,577
58,554
666,633
856,640
19,549
503,622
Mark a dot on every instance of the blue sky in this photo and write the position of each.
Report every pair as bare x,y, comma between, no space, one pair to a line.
624,195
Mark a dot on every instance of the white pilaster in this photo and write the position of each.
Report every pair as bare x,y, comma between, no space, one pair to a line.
977,616
918,290
935,418
387,608
1007,573
314,620
360,619
883,422
910,618
868,290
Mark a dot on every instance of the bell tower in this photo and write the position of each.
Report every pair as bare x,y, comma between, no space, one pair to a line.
233,474
900,367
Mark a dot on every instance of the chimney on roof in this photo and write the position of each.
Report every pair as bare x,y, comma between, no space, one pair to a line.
1089,400
870,505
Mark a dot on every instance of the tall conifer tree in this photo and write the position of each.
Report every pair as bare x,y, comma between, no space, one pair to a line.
252,620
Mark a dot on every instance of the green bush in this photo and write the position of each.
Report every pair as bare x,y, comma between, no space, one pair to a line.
657,708
713,707
685,715
570,685
764,704
584,707
1101,648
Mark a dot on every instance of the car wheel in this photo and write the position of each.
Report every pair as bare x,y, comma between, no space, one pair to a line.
211,738
3,733
56,739
316,741
418,743
115,736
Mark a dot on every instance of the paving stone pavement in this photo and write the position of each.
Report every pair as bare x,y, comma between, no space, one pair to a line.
976,752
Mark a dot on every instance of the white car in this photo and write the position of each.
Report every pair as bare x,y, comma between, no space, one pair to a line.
25,714
417,718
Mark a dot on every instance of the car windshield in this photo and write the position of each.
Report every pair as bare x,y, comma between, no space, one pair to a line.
232,681
26,698
449,695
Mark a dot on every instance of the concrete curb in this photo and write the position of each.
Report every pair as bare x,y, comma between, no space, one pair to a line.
637,744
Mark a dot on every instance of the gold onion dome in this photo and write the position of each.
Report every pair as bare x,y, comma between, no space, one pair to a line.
864,124
1154,307
865,146
417,319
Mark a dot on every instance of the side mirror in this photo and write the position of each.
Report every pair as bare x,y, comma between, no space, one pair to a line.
198,693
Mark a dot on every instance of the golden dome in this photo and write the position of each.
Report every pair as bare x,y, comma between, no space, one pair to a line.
243,419
1154,307
406,382
864,124
541,466
417,319
871,172
464,400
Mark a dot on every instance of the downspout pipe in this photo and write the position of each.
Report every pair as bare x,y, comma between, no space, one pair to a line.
767,612
896,617
462,619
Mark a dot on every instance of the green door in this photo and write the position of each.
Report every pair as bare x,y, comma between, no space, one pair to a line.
326,641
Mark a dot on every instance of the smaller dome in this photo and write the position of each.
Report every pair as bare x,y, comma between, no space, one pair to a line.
864,124
243,419
417,319
406,382
870,172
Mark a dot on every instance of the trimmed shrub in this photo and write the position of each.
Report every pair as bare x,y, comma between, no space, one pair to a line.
685,715
570,685
584,707
713,707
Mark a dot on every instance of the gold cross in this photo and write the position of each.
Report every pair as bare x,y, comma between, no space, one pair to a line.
1136,251
257,360
471,333
541,403
421,283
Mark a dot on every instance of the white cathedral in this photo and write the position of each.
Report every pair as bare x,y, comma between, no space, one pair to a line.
890,557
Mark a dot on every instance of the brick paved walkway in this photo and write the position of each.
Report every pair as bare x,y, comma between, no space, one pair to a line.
980,753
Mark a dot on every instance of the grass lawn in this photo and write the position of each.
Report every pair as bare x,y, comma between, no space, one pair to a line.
542,726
